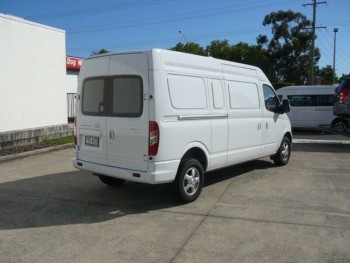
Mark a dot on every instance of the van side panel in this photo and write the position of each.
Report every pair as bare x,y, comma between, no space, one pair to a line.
244,121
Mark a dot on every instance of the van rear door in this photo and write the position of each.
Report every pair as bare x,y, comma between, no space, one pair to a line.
91,116
128,120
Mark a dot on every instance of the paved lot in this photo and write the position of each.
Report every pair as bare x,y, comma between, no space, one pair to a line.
254,212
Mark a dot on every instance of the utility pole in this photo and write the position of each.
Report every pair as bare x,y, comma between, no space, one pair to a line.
312,71
335,42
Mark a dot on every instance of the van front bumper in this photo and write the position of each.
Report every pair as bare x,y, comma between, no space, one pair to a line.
158,172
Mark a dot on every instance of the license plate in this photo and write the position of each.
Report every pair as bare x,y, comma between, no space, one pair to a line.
91,141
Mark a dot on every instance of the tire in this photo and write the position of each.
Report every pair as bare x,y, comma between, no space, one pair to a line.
283,154
189,181
111,181
340,124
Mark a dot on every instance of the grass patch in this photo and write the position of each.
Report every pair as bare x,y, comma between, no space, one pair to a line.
62,140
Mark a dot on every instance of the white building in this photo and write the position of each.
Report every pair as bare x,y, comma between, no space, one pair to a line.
33,88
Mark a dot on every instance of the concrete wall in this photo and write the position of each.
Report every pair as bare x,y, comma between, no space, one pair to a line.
33,84
31,136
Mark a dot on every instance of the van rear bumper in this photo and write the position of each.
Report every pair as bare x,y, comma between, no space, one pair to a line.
158,172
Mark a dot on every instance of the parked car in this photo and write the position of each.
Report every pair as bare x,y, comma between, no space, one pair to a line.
341,106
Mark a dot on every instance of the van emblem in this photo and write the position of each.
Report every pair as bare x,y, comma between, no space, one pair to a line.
97,125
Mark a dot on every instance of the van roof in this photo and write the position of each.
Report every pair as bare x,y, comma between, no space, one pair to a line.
179,59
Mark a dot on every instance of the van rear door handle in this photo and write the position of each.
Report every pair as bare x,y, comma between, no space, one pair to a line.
111,134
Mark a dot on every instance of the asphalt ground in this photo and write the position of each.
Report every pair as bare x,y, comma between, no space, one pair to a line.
253,212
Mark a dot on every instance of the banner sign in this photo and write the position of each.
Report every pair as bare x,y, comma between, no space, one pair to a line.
73,62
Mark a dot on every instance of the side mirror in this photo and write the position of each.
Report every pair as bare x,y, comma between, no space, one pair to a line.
285,107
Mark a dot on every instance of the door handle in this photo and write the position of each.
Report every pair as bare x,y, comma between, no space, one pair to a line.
111,134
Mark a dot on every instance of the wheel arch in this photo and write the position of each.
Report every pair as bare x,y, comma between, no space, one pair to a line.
289,136
198,153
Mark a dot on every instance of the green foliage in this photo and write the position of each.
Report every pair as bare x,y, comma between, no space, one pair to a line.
98,52
325,75
289,48
284,57
344,77
62,140
190,47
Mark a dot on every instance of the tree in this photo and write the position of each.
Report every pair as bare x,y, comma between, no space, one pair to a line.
98,52
251,54
289,49
344,77
325,74
190,47
220,49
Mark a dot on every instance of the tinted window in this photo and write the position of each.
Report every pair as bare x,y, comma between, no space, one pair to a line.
127,97
113,96
271,100
311,100
345,84
93,97
301,100
325,100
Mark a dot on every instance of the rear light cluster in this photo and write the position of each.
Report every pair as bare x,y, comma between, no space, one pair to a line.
75,130
344,94
153,138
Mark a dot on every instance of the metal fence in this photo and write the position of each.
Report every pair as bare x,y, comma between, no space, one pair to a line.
71,99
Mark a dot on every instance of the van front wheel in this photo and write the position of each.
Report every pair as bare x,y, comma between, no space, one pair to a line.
189,181
283,154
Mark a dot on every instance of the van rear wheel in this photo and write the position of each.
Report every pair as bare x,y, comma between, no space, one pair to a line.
340,123
111,181
283,154
189,181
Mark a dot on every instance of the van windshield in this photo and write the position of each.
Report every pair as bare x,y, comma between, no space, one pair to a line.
119,96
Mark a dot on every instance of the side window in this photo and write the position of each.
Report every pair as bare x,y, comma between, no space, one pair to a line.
325,100
302,100
93,97
218,94
271,100
243,95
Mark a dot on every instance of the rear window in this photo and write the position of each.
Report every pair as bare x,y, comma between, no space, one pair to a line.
345,84
119,96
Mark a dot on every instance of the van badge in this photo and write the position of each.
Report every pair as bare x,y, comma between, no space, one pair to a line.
97,125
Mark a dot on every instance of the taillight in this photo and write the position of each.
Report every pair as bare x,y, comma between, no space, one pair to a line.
153,138
343,98
75,130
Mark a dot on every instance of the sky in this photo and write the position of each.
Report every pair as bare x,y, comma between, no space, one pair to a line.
124,25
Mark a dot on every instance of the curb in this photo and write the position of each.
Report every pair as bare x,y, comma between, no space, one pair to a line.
38,151
305,141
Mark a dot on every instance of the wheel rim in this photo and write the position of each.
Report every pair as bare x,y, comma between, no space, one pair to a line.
339,125
285,151
191,181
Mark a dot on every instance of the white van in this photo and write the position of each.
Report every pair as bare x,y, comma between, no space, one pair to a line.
310,106
161,116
